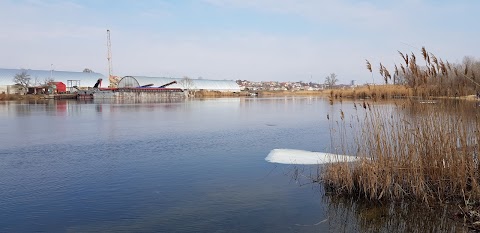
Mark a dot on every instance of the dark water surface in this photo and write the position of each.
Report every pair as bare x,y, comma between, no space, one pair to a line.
194,166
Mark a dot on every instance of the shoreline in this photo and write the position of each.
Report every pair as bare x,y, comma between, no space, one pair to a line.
332,94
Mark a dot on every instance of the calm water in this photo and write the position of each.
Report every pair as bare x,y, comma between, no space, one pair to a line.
194,166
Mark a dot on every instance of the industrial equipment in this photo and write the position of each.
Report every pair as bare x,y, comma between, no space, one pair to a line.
168,84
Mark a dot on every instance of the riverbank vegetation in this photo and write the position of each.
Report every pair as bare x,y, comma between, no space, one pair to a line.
410,151
213,94
376,92
4,97
422,151
289,93
426,77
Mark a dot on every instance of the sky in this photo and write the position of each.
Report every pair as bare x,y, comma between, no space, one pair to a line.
256,40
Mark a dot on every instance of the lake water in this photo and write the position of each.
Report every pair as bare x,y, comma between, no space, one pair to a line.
190,166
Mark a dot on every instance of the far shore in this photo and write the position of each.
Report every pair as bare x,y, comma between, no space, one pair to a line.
368,92
199,94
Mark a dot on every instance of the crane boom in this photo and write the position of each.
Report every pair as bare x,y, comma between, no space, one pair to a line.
168,84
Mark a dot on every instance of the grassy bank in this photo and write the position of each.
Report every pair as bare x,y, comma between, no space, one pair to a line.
203,94
208,94
4,97
290,93
372,92
409,151
384,92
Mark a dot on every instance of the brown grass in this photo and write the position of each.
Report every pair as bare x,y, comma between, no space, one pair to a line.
410,151
290,93
373,92
4,97
390,91
204,94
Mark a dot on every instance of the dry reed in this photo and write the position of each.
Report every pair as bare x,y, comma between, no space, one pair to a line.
431,78
373,92
6,97
207,94
409,151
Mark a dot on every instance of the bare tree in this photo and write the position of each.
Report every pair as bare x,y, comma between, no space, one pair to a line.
187,84
23,79
331,80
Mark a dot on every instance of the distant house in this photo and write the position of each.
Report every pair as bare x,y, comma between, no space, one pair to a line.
59,87
39,77
49,88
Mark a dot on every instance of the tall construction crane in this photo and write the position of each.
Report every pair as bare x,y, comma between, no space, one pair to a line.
113,79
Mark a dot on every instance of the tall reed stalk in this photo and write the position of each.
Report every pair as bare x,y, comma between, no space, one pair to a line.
432,77
409,151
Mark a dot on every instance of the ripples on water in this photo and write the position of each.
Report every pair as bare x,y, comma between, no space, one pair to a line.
194,166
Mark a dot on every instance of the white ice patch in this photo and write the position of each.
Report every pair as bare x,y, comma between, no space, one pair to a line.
290,156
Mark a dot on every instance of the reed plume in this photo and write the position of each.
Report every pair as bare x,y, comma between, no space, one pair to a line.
369,66
424,53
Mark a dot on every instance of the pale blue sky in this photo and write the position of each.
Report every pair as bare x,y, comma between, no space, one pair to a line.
258,40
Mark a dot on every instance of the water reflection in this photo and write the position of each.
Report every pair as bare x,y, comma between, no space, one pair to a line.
190,165
467,109
74,107
351,215
355,214
68,107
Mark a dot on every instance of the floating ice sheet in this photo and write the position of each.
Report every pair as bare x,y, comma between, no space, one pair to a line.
290,156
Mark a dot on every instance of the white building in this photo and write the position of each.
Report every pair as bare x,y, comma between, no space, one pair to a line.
38,77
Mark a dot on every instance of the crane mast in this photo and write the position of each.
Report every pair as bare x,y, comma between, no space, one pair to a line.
113,79
109,54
